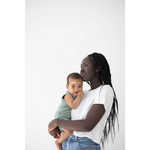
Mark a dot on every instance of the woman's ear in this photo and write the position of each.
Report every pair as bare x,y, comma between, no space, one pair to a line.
98,68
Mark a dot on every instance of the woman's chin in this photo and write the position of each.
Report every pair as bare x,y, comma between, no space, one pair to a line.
84,79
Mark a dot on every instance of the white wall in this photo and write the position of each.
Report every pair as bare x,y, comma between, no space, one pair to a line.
59,34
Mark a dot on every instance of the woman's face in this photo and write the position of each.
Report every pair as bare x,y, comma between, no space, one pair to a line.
88,72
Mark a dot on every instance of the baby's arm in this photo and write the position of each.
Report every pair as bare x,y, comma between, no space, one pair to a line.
73,103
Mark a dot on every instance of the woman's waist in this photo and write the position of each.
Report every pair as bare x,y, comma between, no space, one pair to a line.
75,138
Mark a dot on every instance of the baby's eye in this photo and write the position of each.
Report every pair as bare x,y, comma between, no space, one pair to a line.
79,86
73,86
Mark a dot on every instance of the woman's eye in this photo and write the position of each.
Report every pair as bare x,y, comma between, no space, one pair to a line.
84,65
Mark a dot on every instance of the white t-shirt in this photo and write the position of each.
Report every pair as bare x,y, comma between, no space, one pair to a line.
101,95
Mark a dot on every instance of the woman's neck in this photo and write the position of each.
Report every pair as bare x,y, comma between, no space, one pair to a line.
95,84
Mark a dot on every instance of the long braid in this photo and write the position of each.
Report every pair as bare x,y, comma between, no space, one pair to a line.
105,78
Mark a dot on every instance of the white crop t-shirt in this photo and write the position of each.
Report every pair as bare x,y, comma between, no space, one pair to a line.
101,95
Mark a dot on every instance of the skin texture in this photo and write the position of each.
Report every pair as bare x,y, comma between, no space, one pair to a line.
88,73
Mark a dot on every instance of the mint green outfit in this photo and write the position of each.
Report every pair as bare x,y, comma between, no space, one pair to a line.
64,111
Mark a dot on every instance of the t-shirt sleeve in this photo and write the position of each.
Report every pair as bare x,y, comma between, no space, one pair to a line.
104,96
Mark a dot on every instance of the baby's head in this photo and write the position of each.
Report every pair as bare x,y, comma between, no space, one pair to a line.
74,83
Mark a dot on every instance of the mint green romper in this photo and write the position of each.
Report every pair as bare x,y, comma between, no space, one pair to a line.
64,111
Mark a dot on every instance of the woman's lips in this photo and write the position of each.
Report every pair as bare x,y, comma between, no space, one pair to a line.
82,75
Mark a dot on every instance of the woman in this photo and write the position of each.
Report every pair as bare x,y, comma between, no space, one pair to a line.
94,118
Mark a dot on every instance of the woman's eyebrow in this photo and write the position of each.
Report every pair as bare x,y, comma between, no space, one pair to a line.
85,63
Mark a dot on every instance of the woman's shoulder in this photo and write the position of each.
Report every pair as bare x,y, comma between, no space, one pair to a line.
107,89
103,88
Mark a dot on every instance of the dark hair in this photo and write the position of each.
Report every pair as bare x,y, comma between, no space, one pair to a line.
98,59
73,75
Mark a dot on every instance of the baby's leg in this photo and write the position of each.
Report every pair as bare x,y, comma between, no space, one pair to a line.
64,135
58,145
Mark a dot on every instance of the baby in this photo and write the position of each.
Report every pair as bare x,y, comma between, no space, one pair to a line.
70,100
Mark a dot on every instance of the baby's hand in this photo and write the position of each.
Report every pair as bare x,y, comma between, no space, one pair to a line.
80,94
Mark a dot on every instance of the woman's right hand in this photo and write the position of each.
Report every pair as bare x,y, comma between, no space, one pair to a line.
55,133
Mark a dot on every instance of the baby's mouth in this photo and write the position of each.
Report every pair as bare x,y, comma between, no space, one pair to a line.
75,92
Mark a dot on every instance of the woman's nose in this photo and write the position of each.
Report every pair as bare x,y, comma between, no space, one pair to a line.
81,70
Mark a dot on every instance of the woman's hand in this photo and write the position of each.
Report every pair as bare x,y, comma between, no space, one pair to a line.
52,125
55,133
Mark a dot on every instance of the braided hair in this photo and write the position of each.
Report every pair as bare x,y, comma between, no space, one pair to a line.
104,75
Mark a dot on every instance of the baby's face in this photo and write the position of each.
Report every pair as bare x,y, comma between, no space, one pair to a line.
75,86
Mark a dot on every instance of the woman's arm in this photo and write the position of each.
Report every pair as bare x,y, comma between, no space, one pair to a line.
93,116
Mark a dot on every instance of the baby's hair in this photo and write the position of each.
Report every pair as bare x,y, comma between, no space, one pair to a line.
73,76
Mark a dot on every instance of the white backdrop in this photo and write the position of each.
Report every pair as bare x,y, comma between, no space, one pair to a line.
59,34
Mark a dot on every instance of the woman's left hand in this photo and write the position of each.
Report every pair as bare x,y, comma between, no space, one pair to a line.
52,125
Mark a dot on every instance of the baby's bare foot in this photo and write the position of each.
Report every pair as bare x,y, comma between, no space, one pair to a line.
58,145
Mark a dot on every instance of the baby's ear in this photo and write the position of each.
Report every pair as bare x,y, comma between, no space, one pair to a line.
67,86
